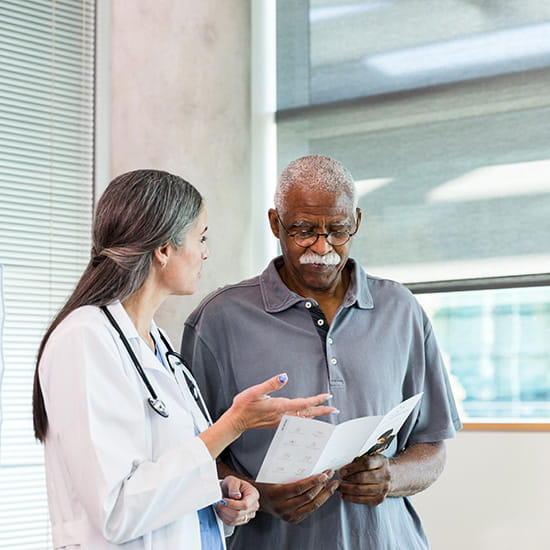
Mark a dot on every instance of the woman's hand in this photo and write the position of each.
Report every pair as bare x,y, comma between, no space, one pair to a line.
255,408
240,501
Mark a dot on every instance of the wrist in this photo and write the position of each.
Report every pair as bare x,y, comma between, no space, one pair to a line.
232,423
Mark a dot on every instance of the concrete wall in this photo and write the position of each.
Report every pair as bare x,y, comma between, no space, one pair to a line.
180,80
180,101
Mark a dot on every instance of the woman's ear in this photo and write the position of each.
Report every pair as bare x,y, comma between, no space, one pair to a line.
162,254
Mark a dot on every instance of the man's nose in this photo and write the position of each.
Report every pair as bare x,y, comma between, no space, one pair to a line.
321,246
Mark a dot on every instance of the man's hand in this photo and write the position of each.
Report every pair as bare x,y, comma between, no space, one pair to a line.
294,502
366,480
370,479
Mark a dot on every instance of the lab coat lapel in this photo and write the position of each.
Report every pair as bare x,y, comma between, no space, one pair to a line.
143,352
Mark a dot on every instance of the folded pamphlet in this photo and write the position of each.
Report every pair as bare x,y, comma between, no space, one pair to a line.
302,447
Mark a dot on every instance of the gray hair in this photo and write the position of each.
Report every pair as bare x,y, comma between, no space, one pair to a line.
138,212
315,172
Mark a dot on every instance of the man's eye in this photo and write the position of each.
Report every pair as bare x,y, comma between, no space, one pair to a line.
305,234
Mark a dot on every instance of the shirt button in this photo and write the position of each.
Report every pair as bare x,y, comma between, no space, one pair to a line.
334,360
330,340
308,304
320,322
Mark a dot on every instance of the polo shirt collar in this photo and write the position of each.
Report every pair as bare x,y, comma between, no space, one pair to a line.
278,297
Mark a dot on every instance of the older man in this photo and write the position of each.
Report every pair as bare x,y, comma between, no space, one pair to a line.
317,315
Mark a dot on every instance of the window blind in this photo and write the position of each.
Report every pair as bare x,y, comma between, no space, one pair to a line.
46,199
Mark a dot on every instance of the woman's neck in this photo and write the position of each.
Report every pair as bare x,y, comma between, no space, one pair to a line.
141,307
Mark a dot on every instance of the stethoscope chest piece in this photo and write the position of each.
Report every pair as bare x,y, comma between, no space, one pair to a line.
154,401
158,406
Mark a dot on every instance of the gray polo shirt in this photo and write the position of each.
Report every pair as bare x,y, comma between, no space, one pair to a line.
379,350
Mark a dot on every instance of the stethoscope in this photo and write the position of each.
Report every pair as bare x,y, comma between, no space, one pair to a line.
154,400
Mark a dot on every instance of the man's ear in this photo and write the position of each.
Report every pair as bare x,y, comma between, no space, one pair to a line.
358,215
273,222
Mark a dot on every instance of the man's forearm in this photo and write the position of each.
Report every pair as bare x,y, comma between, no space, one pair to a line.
416,468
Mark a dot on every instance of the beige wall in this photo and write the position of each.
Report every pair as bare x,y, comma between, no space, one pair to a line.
180,102
492,495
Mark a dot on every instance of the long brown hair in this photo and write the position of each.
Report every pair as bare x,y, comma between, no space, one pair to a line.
138,212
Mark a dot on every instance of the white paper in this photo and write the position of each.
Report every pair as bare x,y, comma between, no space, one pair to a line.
302,447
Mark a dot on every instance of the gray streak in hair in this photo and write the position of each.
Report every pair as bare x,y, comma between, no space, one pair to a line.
138,212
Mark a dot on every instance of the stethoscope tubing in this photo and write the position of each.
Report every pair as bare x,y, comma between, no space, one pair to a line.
154,401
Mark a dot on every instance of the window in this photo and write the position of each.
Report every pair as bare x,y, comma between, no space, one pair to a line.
46,190
439,110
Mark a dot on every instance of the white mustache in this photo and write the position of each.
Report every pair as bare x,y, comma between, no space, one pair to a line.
309,257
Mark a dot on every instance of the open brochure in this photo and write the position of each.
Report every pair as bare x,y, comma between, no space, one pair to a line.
302,447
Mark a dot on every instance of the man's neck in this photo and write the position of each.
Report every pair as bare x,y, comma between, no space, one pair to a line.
329,299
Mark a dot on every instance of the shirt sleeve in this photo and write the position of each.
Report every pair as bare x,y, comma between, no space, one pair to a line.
101,435
438,418
206,370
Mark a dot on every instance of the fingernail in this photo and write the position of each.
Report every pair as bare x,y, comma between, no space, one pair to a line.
283,377
335,411
236,493
223,503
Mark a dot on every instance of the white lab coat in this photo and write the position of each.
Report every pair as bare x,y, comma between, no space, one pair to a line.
117,472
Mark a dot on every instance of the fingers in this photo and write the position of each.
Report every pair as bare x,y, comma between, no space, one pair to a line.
234,517
253,407
363,463
272,384
312,412
309,407
305,510
366,480
293,502
231,487
371,495
240,504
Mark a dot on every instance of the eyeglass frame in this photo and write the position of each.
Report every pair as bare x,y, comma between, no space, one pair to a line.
317,235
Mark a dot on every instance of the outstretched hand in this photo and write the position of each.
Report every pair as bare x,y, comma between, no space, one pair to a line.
255,408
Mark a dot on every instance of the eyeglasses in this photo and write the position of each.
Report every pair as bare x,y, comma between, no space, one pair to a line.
308,238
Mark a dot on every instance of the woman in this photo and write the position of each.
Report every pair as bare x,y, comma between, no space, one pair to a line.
130,452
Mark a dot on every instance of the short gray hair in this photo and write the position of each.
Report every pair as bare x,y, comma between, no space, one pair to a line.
315,172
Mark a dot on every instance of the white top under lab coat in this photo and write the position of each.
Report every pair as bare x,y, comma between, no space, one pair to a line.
117,472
